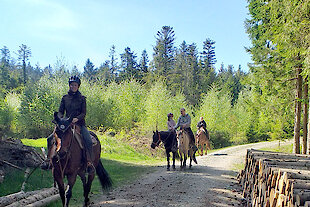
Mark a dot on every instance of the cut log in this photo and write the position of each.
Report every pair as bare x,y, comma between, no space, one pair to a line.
307,204
275,179
35,197
302,197
45,201
7,200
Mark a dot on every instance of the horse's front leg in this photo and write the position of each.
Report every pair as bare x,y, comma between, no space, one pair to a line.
61,188
173,160
202,149
168,159
60,183
190,159
181,159
71,181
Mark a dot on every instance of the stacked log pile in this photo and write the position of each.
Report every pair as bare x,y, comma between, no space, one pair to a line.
272,179
30,199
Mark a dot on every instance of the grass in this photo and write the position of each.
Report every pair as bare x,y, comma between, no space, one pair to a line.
287,148
13,182
123,163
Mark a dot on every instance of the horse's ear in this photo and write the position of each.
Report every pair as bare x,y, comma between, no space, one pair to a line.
56,118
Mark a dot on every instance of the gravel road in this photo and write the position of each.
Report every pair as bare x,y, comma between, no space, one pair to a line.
210,183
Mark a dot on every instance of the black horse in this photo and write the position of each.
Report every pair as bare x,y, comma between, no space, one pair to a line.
168,138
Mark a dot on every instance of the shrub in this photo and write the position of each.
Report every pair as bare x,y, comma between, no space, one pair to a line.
38,105
158,103
6,118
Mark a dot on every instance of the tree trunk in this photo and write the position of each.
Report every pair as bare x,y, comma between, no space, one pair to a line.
305,120
308,134
24,72
296,148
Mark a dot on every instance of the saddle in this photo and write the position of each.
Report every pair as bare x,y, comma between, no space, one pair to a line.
78,136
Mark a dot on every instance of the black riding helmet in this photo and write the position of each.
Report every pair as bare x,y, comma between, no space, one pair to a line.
76,79
170,114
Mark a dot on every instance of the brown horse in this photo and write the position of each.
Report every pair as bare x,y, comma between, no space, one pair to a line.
68,159
203,138
184,148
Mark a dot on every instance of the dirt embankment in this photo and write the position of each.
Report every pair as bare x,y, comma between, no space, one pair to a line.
210,183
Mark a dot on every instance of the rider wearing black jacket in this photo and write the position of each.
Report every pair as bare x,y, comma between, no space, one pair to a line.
73,105
202,124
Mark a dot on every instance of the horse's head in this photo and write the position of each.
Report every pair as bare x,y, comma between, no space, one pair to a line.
156,139
179,133
62,133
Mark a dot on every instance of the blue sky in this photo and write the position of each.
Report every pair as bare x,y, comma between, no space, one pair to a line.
76,30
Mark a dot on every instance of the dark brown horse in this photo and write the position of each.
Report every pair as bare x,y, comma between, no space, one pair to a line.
68,159
167,138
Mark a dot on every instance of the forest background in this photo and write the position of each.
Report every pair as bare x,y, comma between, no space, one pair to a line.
127,93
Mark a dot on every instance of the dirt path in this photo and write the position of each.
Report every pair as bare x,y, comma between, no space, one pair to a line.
210,183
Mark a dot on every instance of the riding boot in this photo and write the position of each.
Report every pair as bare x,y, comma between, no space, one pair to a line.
46,165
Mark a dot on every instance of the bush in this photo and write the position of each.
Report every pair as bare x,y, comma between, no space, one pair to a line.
217,112
6,118
39,102
158,103
219,139
13,101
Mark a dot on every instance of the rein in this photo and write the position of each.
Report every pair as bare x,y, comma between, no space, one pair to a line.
159,139
66,155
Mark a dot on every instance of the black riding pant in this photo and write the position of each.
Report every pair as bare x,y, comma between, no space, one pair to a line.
86,137
191,134
87,140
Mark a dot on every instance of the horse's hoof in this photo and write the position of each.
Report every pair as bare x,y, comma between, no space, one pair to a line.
173,167
168,168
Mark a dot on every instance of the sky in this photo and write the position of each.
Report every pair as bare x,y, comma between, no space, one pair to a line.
74,30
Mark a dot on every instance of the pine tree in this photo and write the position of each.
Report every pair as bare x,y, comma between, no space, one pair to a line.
164,51
89,70
113,63
24,53
208,53
129,68
144,61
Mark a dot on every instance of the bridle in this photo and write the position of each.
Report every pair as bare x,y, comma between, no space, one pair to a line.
66,153
158,141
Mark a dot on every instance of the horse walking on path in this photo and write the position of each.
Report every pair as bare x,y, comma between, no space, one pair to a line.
184,148
203,138
68,159
167,138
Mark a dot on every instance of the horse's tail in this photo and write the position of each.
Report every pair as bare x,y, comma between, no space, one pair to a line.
103,176
208,140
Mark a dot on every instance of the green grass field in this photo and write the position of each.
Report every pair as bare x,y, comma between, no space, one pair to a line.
123,163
